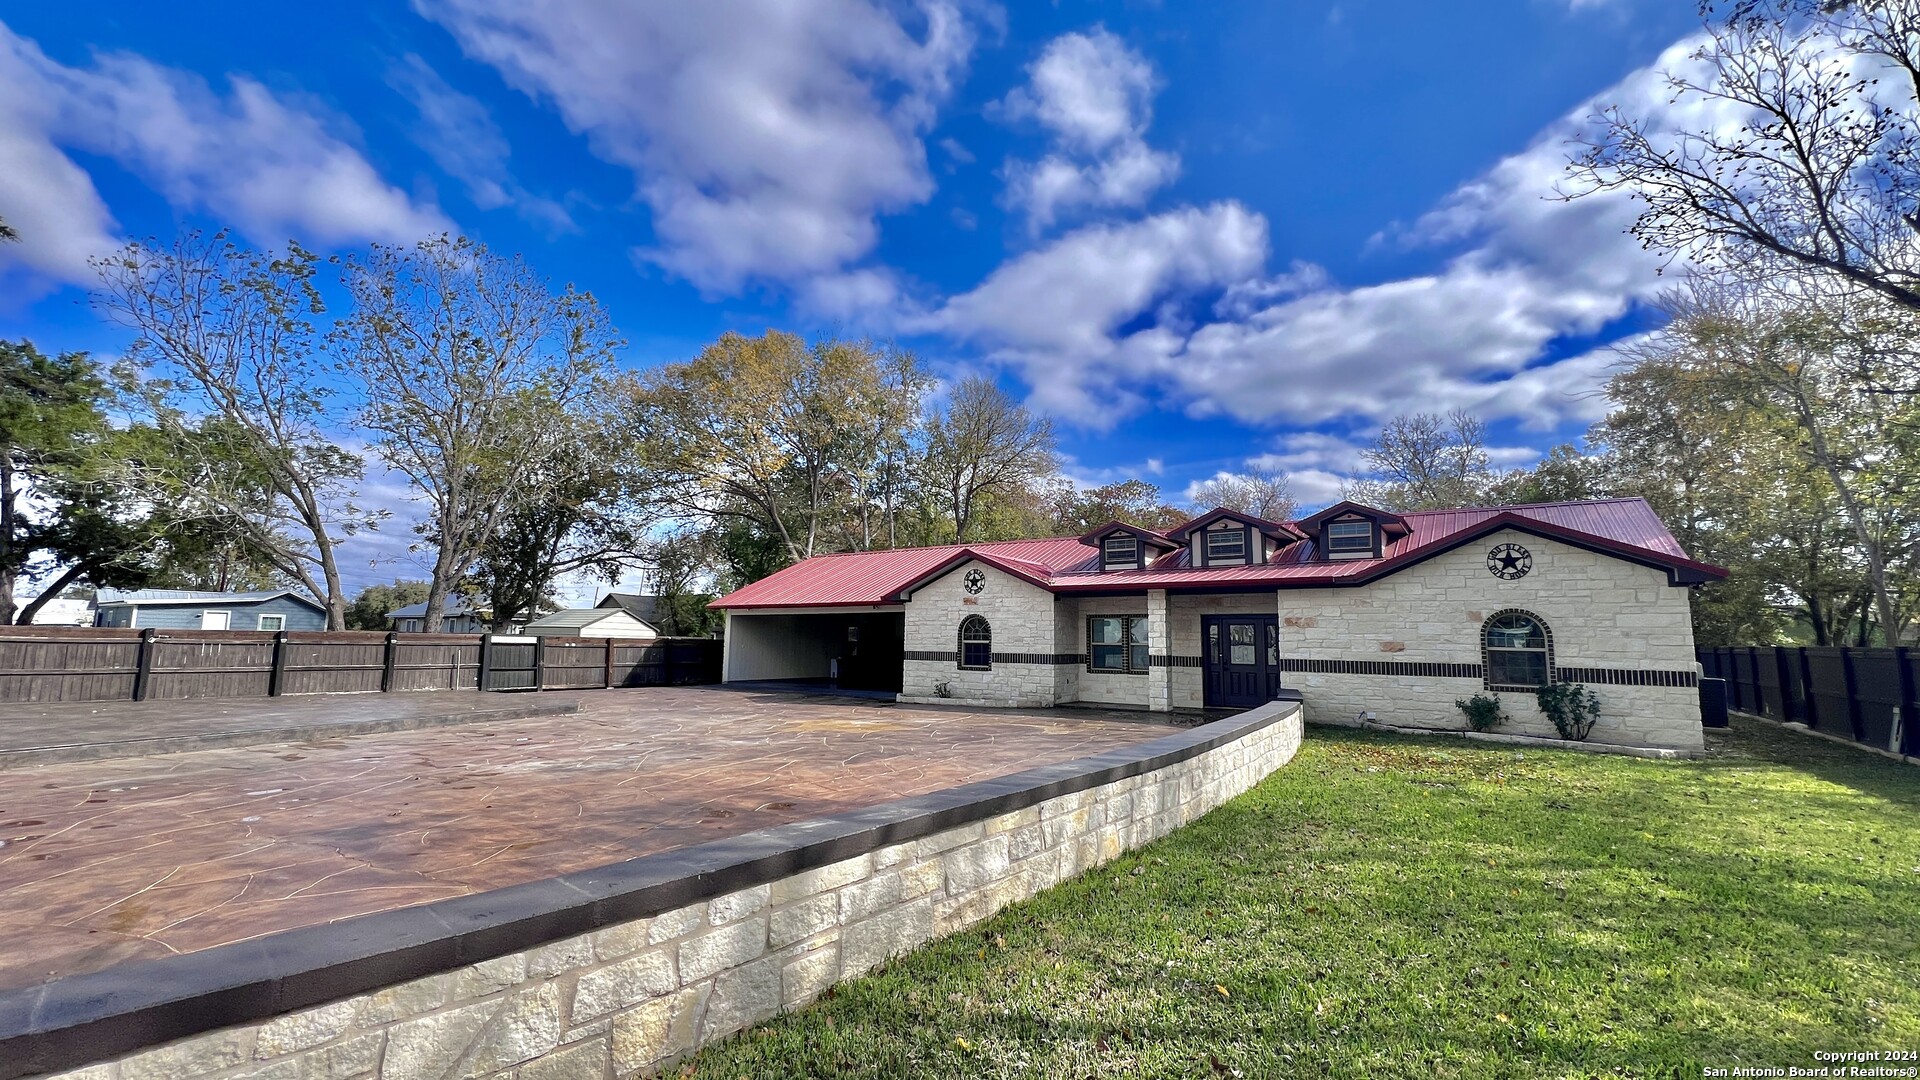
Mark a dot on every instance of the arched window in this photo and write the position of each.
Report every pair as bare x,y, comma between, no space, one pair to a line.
1517,649
976,644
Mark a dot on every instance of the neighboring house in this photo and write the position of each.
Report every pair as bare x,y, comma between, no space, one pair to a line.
454,620
184,609
1368,614
648,608
594,622
641,606
60,611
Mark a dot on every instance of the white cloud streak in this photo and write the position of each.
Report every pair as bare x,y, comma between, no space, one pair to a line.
766,137
271,167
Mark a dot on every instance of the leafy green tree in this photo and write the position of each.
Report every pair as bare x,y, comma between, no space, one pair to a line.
58,515
369,608
1134,501
1564,475
804,441
586,513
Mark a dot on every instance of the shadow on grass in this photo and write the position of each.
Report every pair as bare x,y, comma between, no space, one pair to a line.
1750,742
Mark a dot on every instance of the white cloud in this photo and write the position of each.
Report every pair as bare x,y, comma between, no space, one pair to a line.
1104,319
456,130
765,136
1094,97
269,167
1060,313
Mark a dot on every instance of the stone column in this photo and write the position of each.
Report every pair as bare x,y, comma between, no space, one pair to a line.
1160,652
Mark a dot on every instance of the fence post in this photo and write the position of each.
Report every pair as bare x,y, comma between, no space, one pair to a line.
1853,694
540,662
486,661
143,666
1806,687
1906,719
1789,700
387,662
279,673
666,662
606,678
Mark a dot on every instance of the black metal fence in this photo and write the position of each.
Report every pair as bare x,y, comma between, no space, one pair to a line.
43,664
1866,695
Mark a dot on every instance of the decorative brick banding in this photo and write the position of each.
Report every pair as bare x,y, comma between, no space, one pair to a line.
615,981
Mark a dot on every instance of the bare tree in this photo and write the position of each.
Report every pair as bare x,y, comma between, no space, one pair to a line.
471,365
985,442
1426,462
1808,161
1261,491
229,333
7,232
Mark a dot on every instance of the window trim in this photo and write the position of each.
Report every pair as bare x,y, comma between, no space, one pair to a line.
1126,646
961,641
1372,537
265,615
1487,650
1245,558
1107,559
223,613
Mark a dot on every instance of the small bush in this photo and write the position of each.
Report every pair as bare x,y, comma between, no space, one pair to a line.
1572,708
1483,711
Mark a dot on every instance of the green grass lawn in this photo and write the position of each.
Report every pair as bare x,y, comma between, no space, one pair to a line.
1396,906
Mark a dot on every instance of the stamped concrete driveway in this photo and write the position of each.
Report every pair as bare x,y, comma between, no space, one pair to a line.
108,861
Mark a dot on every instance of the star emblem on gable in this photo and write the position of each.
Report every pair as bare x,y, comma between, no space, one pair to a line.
1509,562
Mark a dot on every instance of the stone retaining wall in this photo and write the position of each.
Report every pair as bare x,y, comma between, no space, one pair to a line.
631,997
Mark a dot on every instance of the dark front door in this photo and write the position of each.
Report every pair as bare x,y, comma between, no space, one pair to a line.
1243,660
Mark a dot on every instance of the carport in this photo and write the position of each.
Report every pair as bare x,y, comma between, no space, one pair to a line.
854,648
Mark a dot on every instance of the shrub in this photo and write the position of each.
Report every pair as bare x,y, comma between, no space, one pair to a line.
1483,711
1572,708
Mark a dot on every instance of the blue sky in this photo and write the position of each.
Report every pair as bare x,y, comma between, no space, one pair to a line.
1197,235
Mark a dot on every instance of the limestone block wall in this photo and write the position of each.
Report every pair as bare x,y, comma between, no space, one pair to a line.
1604,613
1097,686
1022,619
1186,612
630,999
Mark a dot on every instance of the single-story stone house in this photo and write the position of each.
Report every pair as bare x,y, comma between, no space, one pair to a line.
1371,615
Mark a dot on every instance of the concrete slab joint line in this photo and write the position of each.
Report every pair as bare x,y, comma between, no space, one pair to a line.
633,996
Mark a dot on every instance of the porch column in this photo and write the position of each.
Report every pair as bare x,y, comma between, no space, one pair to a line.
1159,652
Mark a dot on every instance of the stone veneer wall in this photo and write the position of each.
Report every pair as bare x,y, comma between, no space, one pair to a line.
631,998
1021,617
1604,613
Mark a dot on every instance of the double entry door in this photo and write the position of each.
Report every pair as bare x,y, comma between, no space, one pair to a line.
1242,654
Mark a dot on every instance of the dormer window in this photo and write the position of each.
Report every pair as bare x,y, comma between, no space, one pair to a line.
1119,553
1349,539
1226,546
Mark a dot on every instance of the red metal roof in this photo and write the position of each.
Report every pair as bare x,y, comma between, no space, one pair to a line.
1626,528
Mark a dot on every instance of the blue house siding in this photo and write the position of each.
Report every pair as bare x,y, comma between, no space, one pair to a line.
240,616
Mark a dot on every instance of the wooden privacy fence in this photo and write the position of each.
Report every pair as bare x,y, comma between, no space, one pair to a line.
44,664
1866,695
